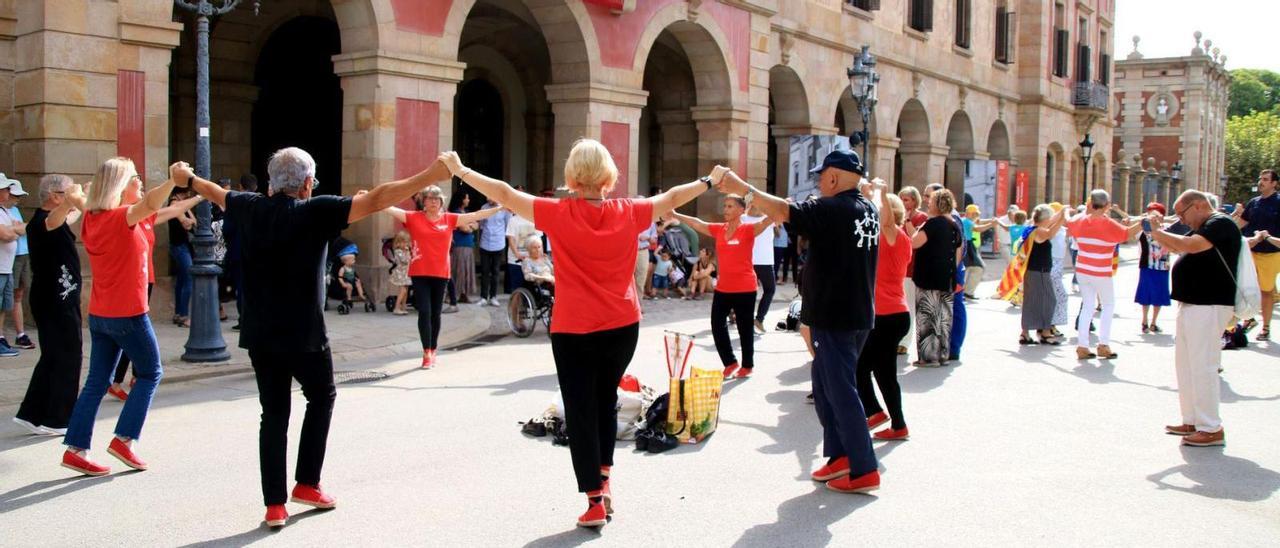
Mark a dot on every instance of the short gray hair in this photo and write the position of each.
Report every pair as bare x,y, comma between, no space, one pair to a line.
289,169
55,182
1040,213
1099,199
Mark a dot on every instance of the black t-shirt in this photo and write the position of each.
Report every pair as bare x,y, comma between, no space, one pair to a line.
1202,278
1041,257
283,267
178,234
935,261
55,263
840,276
1263,214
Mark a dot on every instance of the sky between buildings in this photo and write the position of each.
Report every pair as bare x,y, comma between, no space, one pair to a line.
1247,31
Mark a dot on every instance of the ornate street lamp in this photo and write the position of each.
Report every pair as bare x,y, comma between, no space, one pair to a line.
863,82
204,342
1086,152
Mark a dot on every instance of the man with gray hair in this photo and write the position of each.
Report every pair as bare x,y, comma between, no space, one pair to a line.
55,304
1097,236
283,322
1204,284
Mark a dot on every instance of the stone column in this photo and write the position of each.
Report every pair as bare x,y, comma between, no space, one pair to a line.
373,85
883,151
922,164
719,132
8,22
1120,190
679,151
581,109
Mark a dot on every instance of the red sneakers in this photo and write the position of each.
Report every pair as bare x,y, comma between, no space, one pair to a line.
889,434
428,359
876,420
730,369
312,496
607,497
862,484
122,451
745,372
596,515
276,515
83,465
117,393
837,468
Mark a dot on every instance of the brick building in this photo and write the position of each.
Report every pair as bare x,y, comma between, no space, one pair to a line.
375,88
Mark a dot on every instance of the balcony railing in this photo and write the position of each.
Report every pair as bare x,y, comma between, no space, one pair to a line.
1091,95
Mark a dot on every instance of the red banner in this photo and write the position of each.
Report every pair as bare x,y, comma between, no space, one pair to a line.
1002,187
1024,190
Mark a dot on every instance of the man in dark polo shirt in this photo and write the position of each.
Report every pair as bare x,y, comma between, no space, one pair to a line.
1204,284
283,322
843,231
1262,214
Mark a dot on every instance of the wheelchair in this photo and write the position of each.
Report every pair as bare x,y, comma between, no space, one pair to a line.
529,305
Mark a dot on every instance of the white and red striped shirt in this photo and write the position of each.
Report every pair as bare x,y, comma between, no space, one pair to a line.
1097,238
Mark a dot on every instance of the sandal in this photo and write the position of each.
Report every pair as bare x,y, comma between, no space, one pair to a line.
1146,328
1108,354
1156,329
1265,334
1024,339
1051,340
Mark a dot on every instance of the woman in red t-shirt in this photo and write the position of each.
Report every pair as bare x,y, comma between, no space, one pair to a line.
893,319
596,320
119,257
432,233
736,289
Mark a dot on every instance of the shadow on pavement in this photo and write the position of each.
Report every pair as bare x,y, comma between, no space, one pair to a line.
47,490
797,430
14,442
1230,396
573,537
919,380
545,383
257,533
1219,476
805,520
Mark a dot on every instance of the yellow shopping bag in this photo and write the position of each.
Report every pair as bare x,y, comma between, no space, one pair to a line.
694,402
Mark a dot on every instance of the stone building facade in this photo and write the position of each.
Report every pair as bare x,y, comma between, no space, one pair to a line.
1170,117
376,88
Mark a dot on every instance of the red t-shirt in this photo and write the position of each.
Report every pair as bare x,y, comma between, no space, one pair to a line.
119,257
917,219
148,226
431,243
595,256
891,271
1097,238
734,252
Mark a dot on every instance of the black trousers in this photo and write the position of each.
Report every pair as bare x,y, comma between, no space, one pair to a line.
428,295
880,358
589,367
490,264
275,372
764,273
122,366
741,304
55,381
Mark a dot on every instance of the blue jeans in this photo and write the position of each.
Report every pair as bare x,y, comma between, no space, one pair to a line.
181,279
110,336
959,316
835,397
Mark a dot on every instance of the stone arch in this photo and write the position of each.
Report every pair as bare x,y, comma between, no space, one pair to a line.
706,46
915,148
787,95
491,65
998,141
564,24
1053,186
960,149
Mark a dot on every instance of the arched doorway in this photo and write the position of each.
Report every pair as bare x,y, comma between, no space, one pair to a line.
299,99
1054,173
959,151
911,164
479,139
788,115
998,141
668,151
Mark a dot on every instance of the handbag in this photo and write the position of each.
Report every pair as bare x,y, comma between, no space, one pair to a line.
1248,293
694,405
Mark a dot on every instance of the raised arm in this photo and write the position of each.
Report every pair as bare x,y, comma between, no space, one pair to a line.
154,200
396,213
181,173
764,224
983,225
175,209
72,200
1182,245
389,194
772,206
519,202
886,211
694,223
677,196
477,216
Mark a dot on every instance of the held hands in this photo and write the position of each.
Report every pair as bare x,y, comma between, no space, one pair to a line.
452,161
181,173
727,185
1156,220
1238,212
75,191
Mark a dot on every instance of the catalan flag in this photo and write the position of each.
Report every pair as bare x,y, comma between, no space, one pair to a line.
1010,288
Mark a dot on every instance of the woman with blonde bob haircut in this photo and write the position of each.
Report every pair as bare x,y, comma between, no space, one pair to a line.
119,256
596,321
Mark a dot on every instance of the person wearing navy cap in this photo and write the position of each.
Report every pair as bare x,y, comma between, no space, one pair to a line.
843,230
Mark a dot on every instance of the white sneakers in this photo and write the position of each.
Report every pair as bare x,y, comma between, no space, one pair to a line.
40,430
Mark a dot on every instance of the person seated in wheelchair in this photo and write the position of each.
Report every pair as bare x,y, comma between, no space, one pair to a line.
539,273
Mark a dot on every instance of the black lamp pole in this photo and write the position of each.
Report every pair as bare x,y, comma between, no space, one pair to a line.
204,341
863,82
1086,152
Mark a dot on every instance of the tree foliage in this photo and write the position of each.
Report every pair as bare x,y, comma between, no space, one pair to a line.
1254,90
1253,144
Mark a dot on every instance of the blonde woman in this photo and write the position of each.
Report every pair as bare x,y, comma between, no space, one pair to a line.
429,269
936,245
596,320
119,255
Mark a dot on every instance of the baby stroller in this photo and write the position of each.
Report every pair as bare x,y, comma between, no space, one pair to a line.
333,288
388,253
682,255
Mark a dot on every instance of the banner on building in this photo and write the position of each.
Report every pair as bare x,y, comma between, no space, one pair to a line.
1002,187
1023,197
807,152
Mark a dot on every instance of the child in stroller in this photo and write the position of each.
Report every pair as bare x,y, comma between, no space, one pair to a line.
343,282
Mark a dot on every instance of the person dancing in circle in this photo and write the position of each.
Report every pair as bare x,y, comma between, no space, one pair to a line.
595,322
736,290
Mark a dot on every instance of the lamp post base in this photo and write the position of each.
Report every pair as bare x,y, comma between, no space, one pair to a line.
205,355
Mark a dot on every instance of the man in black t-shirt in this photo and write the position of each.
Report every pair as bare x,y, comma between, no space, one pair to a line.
843,231
55,303
283,322
1204,284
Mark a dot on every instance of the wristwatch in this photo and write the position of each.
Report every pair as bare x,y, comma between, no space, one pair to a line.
706,179
191,180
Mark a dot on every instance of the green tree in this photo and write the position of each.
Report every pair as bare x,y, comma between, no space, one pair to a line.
1253,90
1253,144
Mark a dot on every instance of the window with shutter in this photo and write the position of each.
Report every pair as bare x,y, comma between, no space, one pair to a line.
928,15
1002,35
1011,37
1104,69
867,5
963,15
1060,45
1083,56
